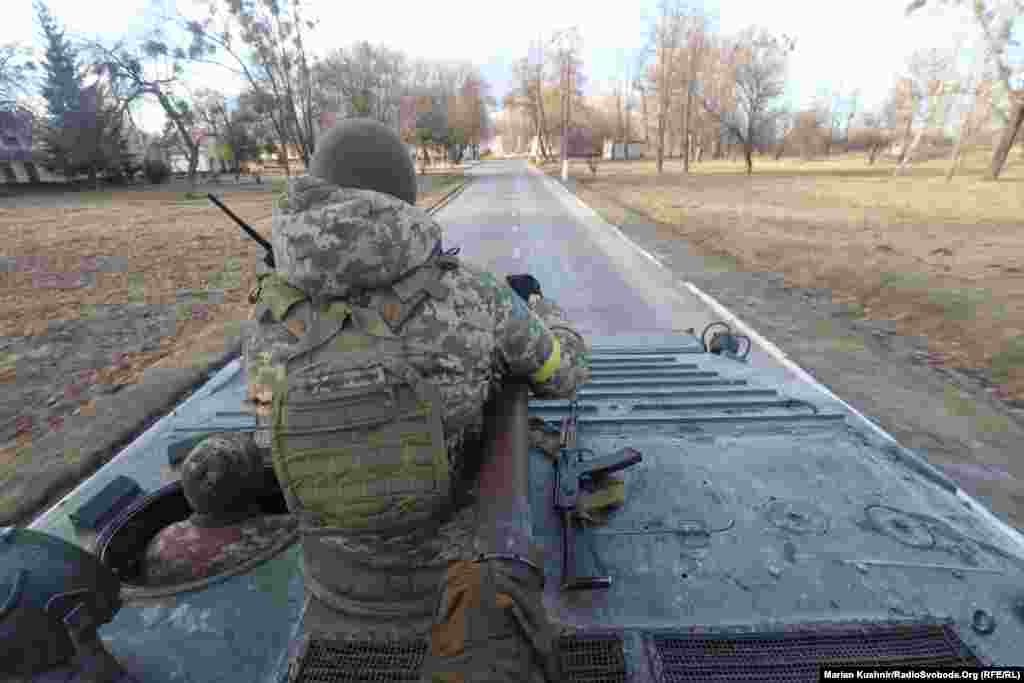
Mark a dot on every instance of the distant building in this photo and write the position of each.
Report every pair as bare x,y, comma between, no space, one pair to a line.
209,156
620,150
15,136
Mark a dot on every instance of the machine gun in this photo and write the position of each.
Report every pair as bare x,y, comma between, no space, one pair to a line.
269,258
571,471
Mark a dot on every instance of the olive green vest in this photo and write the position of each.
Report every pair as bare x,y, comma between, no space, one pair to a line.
356,435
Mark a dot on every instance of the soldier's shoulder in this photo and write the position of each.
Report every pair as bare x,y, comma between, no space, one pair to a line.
470,279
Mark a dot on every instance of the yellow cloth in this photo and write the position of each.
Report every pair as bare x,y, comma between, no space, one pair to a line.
551,365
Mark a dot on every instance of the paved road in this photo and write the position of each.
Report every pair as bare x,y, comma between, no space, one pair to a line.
514,220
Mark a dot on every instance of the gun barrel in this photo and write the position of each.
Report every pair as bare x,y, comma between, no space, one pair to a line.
505,525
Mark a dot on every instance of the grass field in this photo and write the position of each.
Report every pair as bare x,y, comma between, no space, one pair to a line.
159,239
944,260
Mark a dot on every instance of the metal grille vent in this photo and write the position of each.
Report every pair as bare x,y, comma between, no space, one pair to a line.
796,657
359,661
593,658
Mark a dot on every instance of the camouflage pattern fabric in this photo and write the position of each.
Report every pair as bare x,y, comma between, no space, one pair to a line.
338,241
220,475
359,245
184,551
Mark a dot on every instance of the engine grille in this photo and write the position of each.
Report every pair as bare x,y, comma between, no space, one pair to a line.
796,657
594,658
359,661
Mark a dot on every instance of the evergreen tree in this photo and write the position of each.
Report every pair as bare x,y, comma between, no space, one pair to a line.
62,81
85,131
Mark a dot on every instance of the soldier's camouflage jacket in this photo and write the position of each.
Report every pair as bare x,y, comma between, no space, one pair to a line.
333,242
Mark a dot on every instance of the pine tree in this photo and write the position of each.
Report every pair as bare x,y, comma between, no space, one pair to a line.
85,131
62,86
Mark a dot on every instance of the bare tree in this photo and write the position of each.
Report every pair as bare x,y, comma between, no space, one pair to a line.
851,113
786,123
667,33
759,61
718,83
16,73
363,81
870,136
695,31
155,70
931,73
567,46
978,90
902,108
809,133
529,93
275,62
996,19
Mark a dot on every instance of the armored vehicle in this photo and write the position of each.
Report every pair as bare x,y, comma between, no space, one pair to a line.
765,529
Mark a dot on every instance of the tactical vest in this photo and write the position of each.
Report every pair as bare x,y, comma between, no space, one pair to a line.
357,443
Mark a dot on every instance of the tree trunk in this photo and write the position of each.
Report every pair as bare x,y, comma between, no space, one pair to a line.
908,155
647,122
1010,132
542,124
661,139
873,154
748,155
686,126
906,140
193,163
954,159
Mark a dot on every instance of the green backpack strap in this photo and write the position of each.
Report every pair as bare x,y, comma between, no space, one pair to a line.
412,290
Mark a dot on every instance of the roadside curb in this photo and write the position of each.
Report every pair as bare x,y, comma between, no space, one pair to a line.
907,457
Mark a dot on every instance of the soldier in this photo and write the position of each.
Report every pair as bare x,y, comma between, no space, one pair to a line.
373,354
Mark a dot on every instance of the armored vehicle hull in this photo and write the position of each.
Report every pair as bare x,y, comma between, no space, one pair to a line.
767,530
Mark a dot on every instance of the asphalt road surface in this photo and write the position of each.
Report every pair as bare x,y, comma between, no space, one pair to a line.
512,219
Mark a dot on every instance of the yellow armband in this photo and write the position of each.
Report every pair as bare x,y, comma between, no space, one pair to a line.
551,365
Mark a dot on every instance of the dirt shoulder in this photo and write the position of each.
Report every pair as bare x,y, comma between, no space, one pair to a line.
105,292
914,320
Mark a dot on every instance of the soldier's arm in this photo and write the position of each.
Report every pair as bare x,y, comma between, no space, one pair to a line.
538,343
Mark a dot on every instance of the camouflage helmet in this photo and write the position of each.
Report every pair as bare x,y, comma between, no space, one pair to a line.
221,477
367,155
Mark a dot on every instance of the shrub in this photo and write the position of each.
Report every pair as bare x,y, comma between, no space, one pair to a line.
157,171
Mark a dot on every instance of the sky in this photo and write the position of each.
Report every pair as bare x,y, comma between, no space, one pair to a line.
862,45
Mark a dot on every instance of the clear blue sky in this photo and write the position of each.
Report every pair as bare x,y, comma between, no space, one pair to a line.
849,45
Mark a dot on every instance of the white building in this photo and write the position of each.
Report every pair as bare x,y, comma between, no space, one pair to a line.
620,150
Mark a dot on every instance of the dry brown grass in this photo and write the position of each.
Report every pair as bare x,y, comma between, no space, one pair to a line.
166,241
945,260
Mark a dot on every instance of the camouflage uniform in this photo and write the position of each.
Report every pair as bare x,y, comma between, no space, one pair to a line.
353,244
483,331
